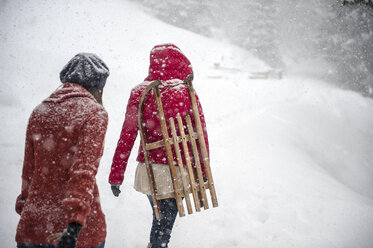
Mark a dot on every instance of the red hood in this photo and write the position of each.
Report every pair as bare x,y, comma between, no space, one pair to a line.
167,61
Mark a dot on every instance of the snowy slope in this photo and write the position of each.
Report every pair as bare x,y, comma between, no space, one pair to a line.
291,158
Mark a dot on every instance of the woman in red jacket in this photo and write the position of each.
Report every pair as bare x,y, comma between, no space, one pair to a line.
168,64
64,144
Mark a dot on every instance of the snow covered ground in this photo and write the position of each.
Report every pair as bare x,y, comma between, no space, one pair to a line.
291,158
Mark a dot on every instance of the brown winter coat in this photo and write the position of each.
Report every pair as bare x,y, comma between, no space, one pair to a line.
64,144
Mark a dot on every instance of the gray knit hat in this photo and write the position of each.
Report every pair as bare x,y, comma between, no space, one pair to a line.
86,69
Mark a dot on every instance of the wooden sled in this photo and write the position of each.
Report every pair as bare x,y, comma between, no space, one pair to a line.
197,185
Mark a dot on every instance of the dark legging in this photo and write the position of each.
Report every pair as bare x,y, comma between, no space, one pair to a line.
161,229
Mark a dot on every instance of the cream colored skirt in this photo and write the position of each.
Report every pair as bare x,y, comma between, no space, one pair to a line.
162,177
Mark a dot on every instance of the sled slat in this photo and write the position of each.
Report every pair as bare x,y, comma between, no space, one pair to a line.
201,139
193,188
166,196
197,164
189,191
180,165
160,143
169,154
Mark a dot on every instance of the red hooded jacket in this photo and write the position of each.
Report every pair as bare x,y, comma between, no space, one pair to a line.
64,144
168,64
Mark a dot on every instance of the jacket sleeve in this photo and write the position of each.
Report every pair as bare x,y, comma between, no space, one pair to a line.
126,140
80,187
28,170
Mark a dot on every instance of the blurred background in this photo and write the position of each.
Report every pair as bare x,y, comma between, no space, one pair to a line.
331,39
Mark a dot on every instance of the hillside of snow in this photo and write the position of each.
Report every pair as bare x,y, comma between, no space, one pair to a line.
291,158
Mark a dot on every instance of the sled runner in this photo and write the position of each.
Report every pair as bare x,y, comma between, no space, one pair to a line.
192,170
